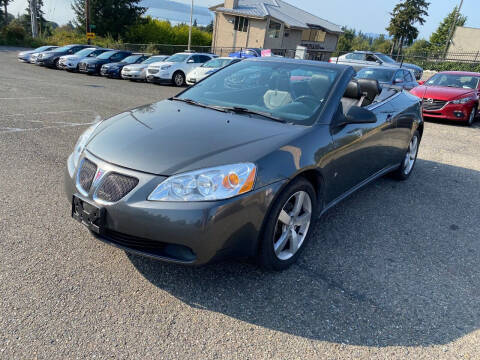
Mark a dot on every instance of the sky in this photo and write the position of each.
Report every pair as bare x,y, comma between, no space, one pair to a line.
369,16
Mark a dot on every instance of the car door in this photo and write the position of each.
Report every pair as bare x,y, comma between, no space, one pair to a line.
361,150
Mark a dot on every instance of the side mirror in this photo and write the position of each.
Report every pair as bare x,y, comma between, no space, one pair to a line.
359,115
191,61
421,82
379,62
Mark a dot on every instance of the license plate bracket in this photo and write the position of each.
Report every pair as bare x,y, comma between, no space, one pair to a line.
90,215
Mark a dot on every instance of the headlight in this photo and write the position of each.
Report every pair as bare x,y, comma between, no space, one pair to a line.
164,67
216,183
82,141
463,100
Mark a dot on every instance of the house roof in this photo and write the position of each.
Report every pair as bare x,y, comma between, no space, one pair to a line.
280,10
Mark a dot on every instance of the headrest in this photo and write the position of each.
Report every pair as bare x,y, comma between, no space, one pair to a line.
353,90
370,88
320,84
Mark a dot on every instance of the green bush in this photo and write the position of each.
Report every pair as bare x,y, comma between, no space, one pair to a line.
13,34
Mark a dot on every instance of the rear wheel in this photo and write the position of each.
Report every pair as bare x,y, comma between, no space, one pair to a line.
408,163
288,226
179,79
473,115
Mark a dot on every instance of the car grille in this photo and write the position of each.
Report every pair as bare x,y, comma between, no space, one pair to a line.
86,174
82,66
432,106
116,186
152,71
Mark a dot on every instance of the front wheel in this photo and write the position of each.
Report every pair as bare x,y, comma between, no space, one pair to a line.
473,114
179,79
288,226
404,171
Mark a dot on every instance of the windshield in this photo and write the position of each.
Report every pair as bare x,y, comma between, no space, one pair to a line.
293,92
454,80
42,48
153,59
216,63
106,55
63,48
84,52
132,59
382,75
386,58
177,58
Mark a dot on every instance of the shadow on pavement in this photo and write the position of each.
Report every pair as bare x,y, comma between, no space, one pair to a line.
395,264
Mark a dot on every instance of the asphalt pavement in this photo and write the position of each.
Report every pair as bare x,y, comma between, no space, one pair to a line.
393,272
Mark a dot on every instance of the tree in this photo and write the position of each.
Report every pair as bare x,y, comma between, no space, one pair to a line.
5,8
26,19
195,24
108,16
438,39
404,16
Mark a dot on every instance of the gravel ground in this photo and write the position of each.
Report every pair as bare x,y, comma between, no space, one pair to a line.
392,272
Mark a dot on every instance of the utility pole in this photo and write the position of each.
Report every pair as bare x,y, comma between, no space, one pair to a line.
87,17
452,29
33,17
190,30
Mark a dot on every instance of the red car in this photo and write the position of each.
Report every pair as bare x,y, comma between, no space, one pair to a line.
451,95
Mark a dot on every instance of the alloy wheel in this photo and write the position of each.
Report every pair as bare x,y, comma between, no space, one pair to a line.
178,79
411,156
292,225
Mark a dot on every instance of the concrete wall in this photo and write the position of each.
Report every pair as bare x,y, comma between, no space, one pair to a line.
465,39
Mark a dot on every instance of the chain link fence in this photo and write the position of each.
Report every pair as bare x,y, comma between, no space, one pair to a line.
437,61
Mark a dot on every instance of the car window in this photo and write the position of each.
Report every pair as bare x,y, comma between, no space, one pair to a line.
178,58
454,80
408,76
355,56
118,56
382,75
291,91
205,58
370,57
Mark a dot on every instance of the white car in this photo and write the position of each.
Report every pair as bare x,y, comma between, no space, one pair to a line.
139,71
175,68
209,68
70,62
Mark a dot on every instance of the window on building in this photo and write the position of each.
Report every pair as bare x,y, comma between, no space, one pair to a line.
313,35
241,24
274,30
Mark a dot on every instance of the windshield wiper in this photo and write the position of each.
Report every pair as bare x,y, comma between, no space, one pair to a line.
242,110
196,103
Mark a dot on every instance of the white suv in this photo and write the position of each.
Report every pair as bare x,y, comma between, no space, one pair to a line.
174,69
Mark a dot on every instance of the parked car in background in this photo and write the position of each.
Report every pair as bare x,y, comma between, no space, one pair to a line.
51,58
70,62
24,56
222,170
92,66
138,72
361,59
209,68
176,67
114,69
451,95
389,76
246,53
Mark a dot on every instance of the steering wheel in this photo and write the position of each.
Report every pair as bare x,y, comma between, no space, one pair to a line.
307,99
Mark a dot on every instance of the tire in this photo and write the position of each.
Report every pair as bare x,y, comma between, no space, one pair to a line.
272,255
410,159
55,64
178,79
473,115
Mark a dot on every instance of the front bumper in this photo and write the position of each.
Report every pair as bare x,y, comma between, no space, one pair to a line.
456,112
50,62
133,75
168,230
88,69
111,73
67,66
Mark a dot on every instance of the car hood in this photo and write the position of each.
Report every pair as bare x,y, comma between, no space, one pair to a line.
96,61
116,64
201,71
440,92
24,53
412,66
136,66
71,57
171,137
